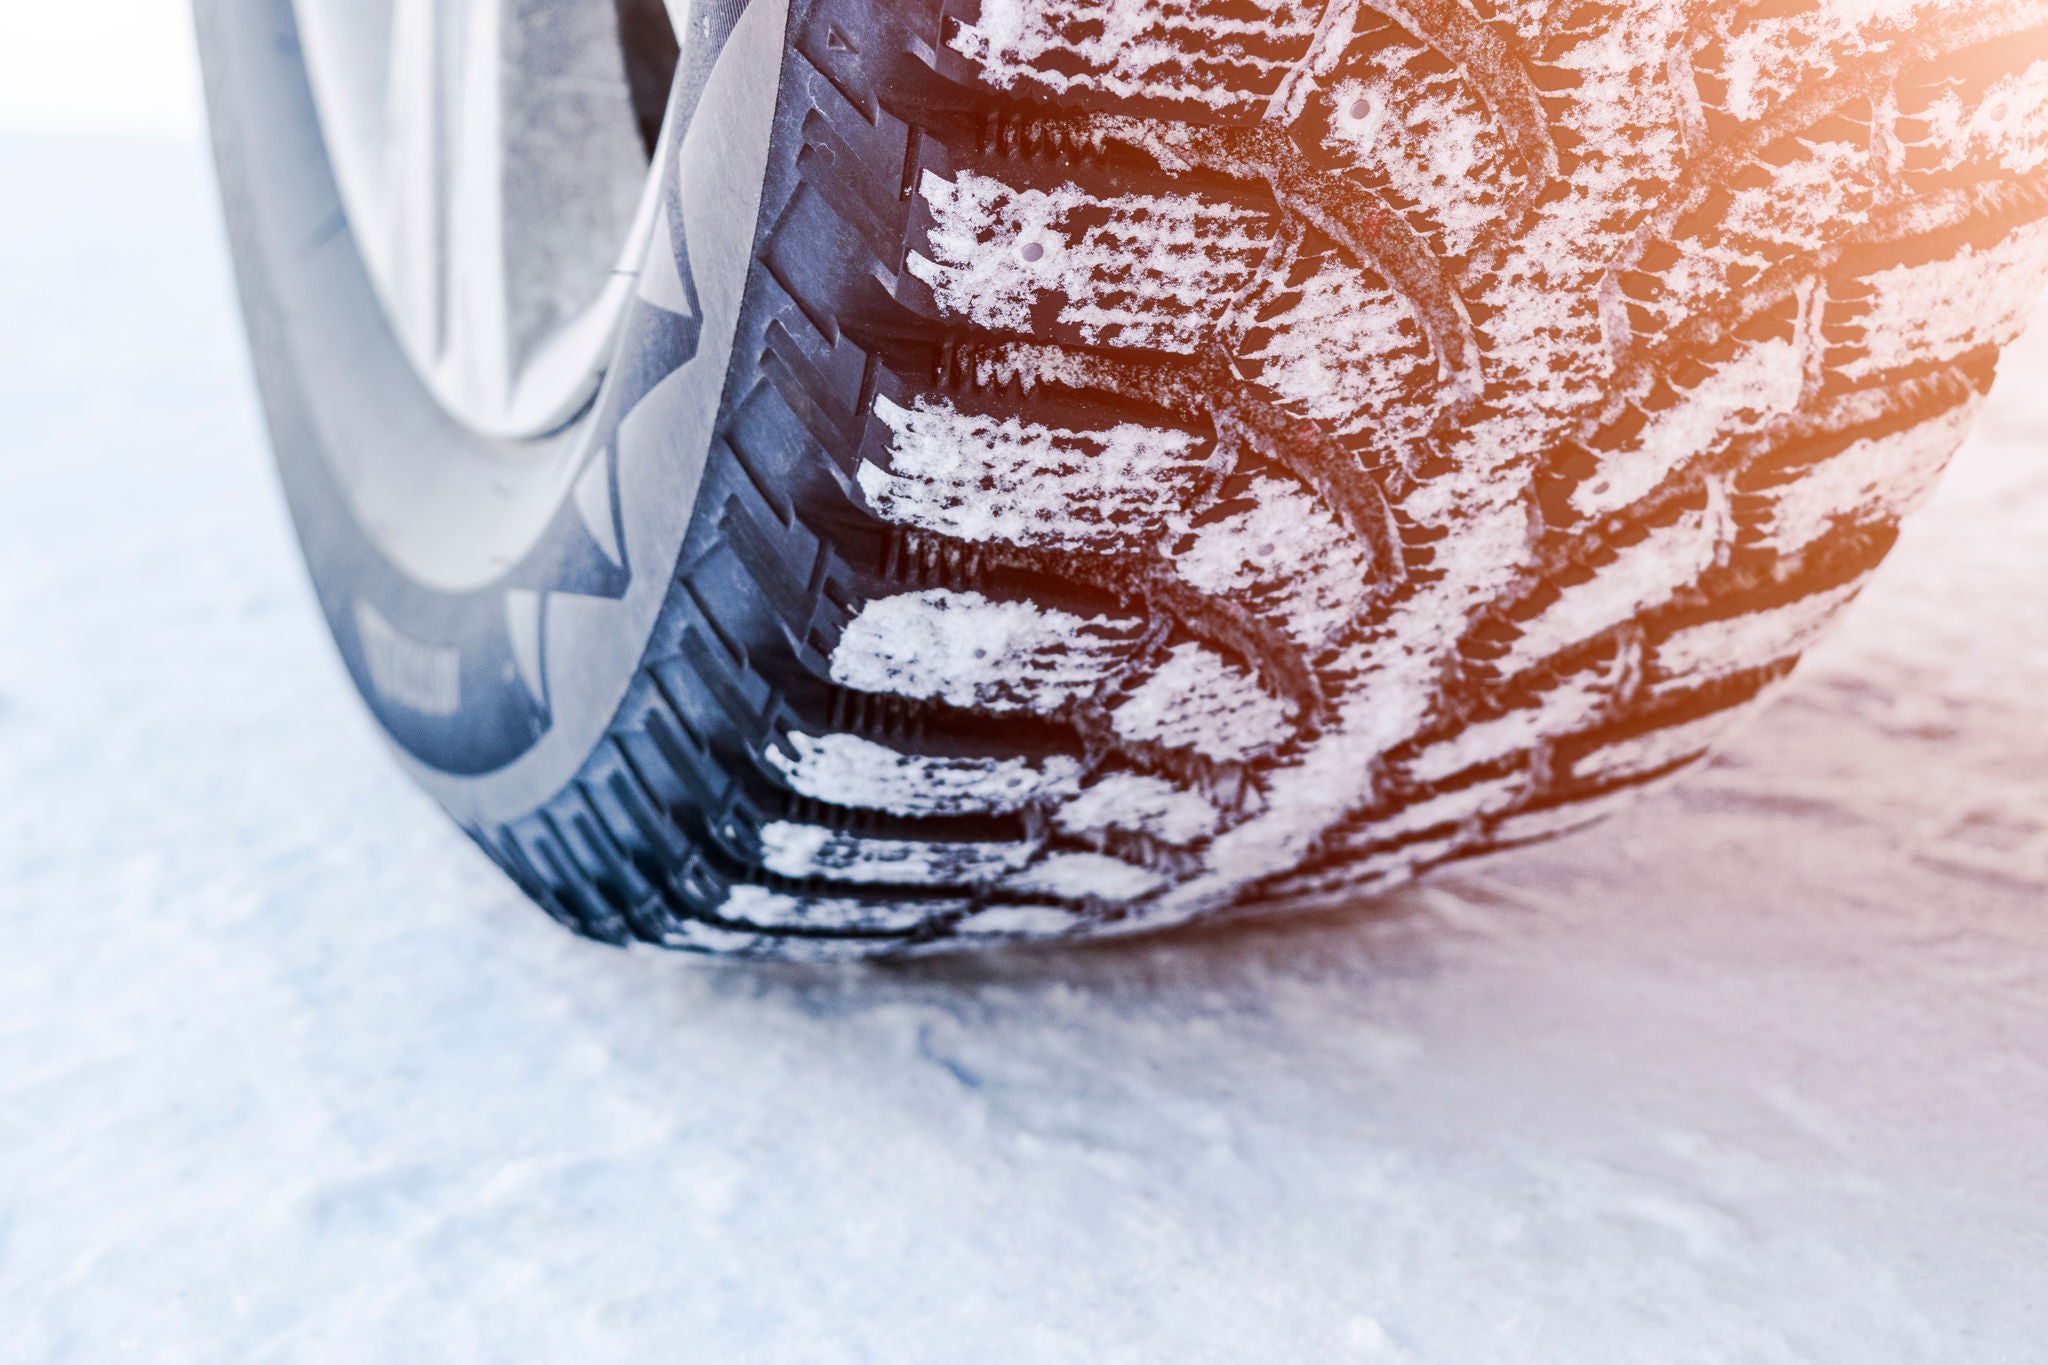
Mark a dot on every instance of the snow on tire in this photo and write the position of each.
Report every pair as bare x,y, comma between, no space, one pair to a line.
1260,452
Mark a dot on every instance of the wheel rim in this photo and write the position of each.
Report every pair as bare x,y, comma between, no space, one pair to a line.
494,163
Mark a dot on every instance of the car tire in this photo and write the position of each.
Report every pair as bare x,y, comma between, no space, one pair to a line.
1073,468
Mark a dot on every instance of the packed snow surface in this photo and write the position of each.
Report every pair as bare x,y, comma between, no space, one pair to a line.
1757,1072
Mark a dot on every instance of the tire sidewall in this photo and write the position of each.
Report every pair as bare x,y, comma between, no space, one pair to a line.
493,694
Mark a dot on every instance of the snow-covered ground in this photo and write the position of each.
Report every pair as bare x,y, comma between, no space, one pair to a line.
1756,1073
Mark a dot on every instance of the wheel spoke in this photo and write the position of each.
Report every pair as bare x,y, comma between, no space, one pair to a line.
474,358
492,156
396,211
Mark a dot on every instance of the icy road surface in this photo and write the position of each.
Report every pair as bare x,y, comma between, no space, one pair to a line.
1757,1073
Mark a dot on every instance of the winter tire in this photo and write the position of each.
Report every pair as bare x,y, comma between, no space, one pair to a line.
1041,468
